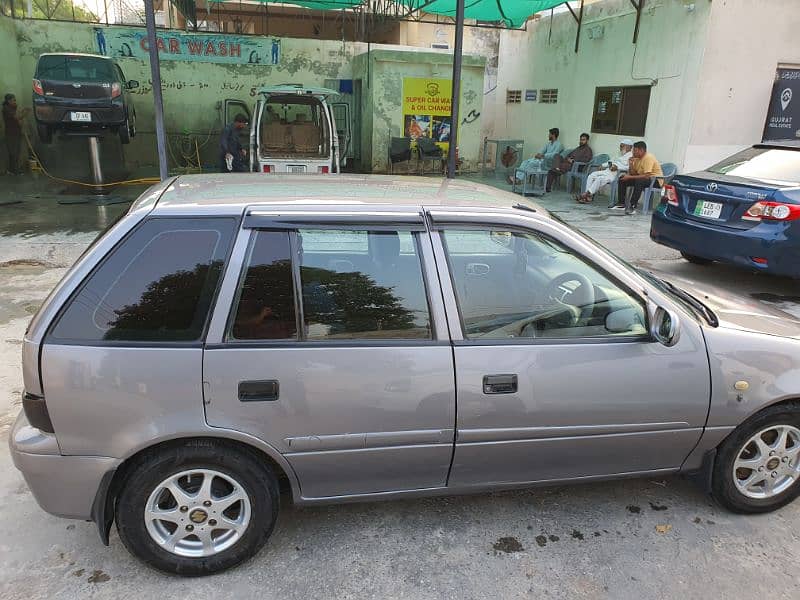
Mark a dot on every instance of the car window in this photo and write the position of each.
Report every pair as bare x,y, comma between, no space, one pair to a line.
762,164
356,285
539,289
156,286
352,294
75,68
265,307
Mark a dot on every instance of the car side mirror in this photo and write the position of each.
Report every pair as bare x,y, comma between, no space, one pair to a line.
624,320
664,326
132,84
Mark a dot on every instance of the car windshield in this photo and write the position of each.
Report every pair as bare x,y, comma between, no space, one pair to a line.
689,302
75,68
769,165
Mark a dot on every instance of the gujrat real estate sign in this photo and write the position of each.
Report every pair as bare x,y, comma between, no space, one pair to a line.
783,116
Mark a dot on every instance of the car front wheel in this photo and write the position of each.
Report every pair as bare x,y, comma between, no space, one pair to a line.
197,509
758,466
45,133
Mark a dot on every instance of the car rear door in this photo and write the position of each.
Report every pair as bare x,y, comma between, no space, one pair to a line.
550,386
328,344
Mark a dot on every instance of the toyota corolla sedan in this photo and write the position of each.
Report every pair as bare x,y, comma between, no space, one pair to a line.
744,211
371,338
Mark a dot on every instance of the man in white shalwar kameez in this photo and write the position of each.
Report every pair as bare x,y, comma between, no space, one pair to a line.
609,175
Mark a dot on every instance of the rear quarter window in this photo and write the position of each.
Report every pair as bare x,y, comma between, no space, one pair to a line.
61,67
156,286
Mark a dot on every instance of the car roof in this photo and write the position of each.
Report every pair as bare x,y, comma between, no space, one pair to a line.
233,193
85,54
780,144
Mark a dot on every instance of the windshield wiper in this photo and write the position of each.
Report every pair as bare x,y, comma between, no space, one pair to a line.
706,312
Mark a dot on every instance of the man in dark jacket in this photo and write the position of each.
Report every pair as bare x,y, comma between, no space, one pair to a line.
231,153
13,127
583,153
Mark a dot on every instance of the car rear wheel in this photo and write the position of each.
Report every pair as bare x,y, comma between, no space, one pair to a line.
696,260
758,466
125,132
45,133
197,509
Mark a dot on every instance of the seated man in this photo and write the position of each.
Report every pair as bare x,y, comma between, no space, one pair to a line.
541,159
598,179
643,166
583,153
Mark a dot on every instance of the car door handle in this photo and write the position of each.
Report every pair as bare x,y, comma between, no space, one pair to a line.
499,384
259,391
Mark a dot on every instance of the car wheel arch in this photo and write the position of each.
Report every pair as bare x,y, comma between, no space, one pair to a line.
105,499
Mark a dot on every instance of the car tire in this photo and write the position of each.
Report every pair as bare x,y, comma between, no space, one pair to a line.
171,510
45,133
696,260
741,457
125,132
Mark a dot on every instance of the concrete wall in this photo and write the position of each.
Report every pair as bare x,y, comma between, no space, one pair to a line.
382,72
9,72
746,41
668,56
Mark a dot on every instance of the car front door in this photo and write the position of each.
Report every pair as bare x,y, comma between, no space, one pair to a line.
557,376
325,345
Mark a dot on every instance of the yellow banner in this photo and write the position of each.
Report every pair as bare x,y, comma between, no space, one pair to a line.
426,96
427,110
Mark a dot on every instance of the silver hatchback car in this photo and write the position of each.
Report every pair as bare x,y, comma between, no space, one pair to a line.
364,338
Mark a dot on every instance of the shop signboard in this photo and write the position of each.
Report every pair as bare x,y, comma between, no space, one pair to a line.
426,109
783,116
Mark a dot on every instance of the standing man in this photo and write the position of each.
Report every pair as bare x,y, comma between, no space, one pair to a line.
542,158
583,153
609,175
231,153
13,126
643,167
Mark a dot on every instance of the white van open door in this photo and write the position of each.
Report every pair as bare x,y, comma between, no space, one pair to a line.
342,119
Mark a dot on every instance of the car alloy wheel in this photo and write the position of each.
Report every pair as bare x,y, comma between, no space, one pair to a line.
768,463
197,513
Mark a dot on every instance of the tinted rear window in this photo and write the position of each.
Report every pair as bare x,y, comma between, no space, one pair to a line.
157,285
762,164
75,68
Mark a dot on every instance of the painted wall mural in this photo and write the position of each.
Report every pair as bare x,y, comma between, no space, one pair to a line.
131,42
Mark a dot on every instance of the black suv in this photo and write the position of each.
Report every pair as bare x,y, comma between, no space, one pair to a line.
82,94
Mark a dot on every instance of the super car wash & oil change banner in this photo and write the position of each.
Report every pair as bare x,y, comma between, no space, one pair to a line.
426,109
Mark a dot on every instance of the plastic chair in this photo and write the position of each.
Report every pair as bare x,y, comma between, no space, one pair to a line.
581,170
428,150
669,170
399,151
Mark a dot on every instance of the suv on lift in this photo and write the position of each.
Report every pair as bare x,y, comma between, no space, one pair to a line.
364,338
294,129
84,94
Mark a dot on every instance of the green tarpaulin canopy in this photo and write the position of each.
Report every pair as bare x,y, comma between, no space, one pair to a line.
511,12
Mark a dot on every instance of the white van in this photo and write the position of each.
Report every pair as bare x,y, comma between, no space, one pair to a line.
294,130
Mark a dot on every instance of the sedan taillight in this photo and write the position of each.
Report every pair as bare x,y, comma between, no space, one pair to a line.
37,88
772,211
116,90
671,194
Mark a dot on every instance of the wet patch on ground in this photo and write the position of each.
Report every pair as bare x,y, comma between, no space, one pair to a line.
508,545
634,509
658,507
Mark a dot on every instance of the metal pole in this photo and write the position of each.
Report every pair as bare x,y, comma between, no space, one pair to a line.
94,160
457,51
158,102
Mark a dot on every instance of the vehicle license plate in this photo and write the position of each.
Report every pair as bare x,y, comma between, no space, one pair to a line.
297,169
81,116
710,210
